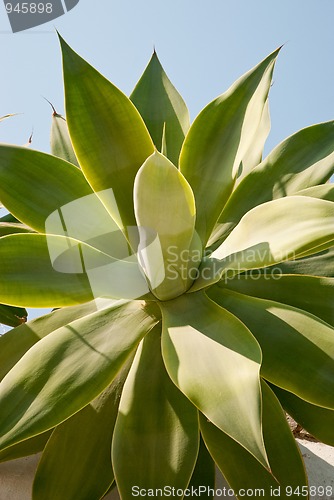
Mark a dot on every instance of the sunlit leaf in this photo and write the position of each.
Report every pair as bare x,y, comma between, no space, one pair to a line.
15,343
240,468
84,440
60,140
29,279
311,293
156,435
218,140
162,108
323,192
296,346
255,152
13,227
108,134
303,160
51,382
269,234
34,184
161,191
198,333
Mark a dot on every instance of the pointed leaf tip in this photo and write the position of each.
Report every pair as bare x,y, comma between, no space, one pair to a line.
121,140
220,138
52,106
159,102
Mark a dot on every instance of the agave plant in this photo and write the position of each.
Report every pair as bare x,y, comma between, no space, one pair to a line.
192,288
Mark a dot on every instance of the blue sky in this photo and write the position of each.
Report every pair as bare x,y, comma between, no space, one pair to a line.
204,47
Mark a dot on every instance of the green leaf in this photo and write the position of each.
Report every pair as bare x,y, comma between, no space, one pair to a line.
12,316
305,159
60,140
84,440
218,140
13,227
320,264
68,368
34,184
56,271
311,293
312,251
271,233
316,420
215,362
160,192
254,154
204,473
323,192
240,468
108,134
29,279
156,435
9,218
161,107
296,346
25,448
15,343
283,228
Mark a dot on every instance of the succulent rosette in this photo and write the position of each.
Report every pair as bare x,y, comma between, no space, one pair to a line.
192,286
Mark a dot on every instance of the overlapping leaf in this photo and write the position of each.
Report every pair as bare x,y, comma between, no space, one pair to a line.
15,343
271,233
60,140
296,345
311,293
25,448
84,440
160,192
108,134
219,139
204,475
9,218
65,370
315,419
319,264
12,316
215,362
254,154
34,184
305,159
60,201
156,435
162,108
323,192
55,271
243,472
29,279
13,227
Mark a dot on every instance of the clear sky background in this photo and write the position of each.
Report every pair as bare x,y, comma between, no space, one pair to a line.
203,46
